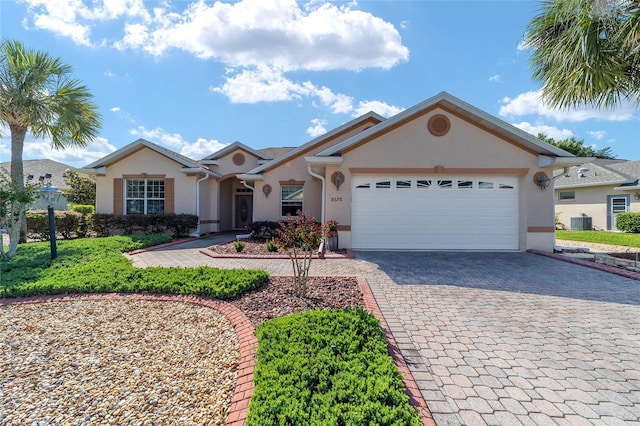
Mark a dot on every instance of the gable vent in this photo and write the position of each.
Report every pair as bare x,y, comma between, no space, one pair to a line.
238,159
439,125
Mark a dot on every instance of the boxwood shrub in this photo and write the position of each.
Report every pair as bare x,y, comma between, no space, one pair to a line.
327,368
628,222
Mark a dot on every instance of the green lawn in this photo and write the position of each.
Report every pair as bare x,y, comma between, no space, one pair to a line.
616,238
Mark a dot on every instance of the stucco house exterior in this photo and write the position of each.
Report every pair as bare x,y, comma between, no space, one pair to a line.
441,175
598,190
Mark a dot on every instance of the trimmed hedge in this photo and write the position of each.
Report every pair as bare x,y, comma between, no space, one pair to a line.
327,368
628,222
179,225
96,265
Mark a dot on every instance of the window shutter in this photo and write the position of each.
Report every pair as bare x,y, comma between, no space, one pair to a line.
169,196
117,196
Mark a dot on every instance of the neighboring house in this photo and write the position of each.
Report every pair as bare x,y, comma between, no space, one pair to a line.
441,175
598,190
37,168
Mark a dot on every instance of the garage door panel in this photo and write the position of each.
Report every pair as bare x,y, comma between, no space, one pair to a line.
435,218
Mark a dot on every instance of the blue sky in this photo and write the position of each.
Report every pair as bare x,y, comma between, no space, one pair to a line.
195,76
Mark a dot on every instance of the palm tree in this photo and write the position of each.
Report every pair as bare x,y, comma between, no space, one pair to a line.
586,51
38,95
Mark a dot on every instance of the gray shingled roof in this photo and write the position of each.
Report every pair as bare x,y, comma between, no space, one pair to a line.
39,168
601,172
273,153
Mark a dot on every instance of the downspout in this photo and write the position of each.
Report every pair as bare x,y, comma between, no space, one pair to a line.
244,183
324,190
197,231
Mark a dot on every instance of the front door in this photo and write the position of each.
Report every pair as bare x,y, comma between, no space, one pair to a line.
616,204
243,211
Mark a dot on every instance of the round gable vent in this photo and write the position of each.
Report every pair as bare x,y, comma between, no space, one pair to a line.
238,159
439,125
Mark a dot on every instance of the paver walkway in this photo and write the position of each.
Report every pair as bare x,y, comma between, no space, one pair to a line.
494,338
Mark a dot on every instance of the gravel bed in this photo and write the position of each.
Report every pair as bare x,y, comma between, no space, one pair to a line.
115,362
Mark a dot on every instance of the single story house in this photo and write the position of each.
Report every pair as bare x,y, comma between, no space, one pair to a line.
441,175
597,190
34,169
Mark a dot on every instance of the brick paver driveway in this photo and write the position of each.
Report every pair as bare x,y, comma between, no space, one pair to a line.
498,338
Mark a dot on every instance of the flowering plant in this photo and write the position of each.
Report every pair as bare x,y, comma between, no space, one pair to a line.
331,228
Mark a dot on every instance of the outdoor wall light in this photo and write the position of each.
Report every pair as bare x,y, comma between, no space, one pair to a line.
636,196
338,179
266,190
542,180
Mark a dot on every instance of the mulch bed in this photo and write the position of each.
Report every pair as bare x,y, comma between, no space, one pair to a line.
278,297
257,249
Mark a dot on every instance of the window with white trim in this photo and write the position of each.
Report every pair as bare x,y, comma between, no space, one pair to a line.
144,196
291,199
566,195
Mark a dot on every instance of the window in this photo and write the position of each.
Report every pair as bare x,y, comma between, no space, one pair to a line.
504,186
485,185
144,196
445,184
403,184
567,195
364,186
291,199
383,184
423,183
465,184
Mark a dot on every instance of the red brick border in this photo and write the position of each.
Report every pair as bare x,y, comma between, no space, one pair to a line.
245,332
415,397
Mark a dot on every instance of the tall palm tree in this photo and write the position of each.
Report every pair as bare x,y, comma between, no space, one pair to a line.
38,95
586,51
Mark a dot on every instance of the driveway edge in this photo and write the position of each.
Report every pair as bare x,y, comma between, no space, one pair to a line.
593,265
415,396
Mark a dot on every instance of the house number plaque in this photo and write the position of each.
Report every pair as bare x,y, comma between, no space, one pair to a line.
336,199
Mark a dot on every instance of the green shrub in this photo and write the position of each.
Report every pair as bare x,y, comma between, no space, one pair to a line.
96,265
38,224
83,208
264,229
179,225
272,246
327,368
628,222
239,245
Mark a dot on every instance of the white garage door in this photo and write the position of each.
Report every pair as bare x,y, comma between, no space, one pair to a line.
434,212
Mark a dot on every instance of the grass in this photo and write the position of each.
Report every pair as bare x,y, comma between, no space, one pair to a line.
317,367
96,265
601,237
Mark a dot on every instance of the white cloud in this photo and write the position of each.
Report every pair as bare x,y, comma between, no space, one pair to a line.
317,128
530,103
35,149
495,78
174,141
597,134
319,36
201,148
378,107
264,84
109,74
550,131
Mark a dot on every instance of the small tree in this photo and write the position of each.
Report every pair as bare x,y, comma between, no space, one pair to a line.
299,238
82,189
13,202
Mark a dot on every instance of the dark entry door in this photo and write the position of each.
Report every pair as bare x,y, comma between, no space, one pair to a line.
243,211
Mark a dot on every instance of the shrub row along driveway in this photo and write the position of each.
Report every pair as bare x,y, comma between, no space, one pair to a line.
495,338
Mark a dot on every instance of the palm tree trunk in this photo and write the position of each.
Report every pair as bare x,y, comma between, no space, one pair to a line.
17,146
18,134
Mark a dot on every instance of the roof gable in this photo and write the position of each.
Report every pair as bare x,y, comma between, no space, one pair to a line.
371,117
232,147
136,145
456,107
